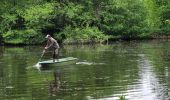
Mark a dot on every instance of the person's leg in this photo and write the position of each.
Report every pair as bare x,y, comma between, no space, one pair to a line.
57,53
54,55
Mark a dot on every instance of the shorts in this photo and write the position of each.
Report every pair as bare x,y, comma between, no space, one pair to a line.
55,53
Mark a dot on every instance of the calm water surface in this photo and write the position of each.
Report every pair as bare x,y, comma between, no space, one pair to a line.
138,70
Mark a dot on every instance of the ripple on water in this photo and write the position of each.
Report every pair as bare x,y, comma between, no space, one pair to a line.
89,63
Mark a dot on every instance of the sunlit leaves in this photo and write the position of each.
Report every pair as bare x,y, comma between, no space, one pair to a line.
7,21
125,18
35,15
79,34
121,17
72,10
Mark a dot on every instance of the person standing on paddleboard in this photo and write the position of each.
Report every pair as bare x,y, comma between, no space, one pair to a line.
52,44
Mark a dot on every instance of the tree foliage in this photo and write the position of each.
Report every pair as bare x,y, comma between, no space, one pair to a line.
28,21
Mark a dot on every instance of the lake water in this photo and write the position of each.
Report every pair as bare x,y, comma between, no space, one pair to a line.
137,70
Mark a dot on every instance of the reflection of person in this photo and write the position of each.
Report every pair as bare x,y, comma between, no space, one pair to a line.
52,44
54,86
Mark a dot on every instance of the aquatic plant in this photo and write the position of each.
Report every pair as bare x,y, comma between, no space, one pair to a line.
122,97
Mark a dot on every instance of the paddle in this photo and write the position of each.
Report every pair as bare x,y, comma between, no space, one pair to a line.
38,65
42,55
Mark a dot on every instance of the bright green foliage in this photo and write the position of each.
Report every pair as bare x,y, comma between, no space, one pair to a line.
84,20
165,18
38,16
124,18
152,16
23,37
82,34
8,20
122,97
71,10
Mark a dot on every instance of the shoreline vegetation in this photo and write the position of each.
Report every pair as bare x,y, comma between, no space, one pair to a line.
27,22
86,42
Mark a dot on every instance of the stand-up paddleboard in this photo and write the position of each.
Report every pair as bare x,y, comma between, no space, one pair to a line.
57,60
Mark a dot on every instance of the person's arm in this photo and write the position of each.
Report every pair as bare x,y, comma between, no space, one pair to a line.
49,44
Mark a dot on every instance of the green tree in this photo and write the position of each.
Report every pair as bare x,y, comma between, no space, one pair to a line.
28,21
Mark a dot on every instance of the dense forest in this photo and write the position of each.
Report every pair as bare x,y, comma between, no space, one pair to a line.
28,21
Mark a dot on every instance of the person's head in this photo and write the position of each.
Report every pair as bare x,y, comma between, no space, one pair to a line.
48,36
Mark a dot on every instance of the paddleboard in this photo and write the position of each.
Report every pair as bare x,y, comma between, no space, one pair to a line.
58,60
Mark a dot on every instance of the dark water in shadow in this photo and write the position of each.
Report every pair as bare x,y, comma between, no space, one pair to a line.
138,70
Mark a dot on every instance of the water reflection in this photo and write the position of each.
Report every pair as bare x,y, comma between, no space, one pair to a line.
138,70
144,89
54,85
